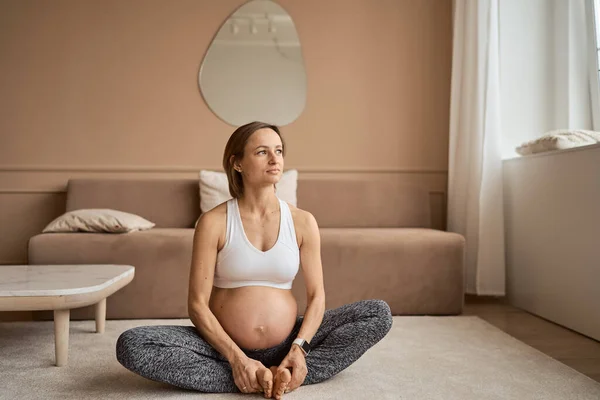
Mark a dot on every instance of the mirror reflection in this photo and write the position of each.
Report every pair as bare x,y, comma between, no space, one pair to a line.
253,69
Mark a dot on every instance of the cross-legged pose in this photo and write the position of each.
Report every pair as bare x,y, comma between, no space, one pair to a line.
247,334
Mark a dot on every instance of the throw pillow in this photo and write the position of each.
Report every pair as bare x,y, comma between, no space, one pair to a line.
98,220
214,188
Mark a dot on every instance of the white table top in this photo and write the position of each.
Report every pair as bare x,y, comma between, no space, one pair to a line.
59,280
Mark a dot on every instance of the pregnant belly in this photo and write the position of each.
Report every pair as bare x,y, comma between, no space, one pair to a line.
255,317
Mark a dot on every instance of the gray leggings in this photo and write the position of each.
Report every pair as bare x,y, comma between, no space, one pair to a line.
178,355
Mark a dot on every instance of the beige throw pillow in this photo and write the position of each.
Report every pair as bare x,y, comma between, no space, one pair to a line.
558,140
98,220
214,188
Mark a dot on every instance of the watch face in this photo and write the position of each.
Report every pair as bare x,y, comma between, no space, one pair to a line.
306,346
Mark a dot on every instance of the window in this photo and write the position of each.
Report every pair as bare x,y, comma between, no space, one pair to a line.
593,21
597,26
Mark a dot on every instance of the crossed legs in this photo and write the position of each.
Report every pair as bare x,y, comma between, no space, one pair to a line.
178,355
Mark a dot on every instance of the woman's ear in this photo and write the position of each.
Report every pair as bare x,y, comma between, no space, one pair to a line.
233,163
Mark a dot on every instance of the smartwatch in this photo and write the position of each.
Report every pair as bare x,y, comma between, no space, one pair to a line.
304,345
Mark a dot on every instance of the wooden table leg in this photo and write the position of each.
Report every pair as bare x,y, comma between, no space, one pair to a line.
61,336
100,315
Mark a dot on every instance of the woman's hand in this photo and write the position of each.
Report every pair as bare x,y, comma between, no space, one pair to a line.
244,374
297,363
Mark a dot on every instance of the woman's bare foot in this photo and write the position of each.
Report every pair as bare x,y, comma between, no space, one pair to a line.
264,376
281,381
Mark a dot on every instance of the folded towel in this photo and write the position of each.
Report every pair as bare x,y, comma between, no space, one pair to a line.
558,140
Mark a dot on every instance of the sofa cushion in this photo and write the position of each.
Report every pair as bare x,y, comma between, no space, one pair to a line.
416,271
214,188
98,220
365,203
161,257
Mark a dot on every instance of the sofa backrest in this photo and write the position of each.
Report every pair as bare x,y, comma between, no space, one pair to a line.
169,203
335,203
364,203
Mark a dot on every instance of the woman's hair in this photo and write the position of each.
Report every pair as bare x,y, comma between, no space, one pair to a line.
235,147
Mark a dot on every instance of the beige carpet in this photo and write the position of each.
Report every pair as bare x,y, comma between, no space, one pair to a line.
421,358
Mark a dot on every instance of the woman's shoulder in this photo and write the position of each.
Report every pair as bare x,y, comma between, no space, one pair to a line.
214,218
214,223
296,212
303,220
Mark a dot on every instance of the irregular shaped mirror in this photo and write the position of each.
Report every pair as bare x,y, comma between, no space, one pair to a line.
253,69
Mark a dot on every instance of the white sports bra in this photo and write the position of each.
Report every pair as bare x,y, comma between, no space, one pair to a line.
239,263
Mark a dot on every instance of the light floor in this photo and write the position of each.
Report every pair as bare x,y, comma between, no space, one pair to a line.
571,348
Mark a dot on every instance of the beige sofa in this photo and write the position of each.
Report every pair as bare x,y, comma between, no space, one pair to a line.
376,242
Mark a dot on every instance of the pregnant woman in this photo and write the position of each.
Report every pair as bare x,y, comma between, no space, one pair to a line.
247,334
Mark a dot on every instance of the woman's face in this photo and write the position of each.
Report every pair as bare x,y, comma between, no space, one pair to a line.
263,158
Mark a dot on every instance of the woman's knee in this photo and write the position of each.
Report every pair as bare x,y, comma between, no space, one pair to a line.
129,346
374,308
133,336
380,313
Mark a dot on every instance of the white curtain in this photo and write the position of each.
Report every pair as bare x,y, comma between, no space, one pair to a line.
475,157
572,78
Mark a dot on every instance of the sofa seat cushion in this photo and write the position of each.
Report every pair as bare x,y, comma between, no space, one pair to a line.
416,270
161,257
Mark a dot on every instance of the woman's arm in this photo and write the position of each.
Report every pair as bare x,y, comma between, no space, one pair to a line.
312,270
310,259
204,255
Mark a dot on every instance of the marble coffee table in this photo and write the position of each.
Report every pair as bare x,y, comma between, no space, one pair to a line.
61,288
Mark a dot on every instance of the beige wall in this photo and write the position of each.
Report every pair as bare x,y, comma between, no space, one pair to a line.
109,88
